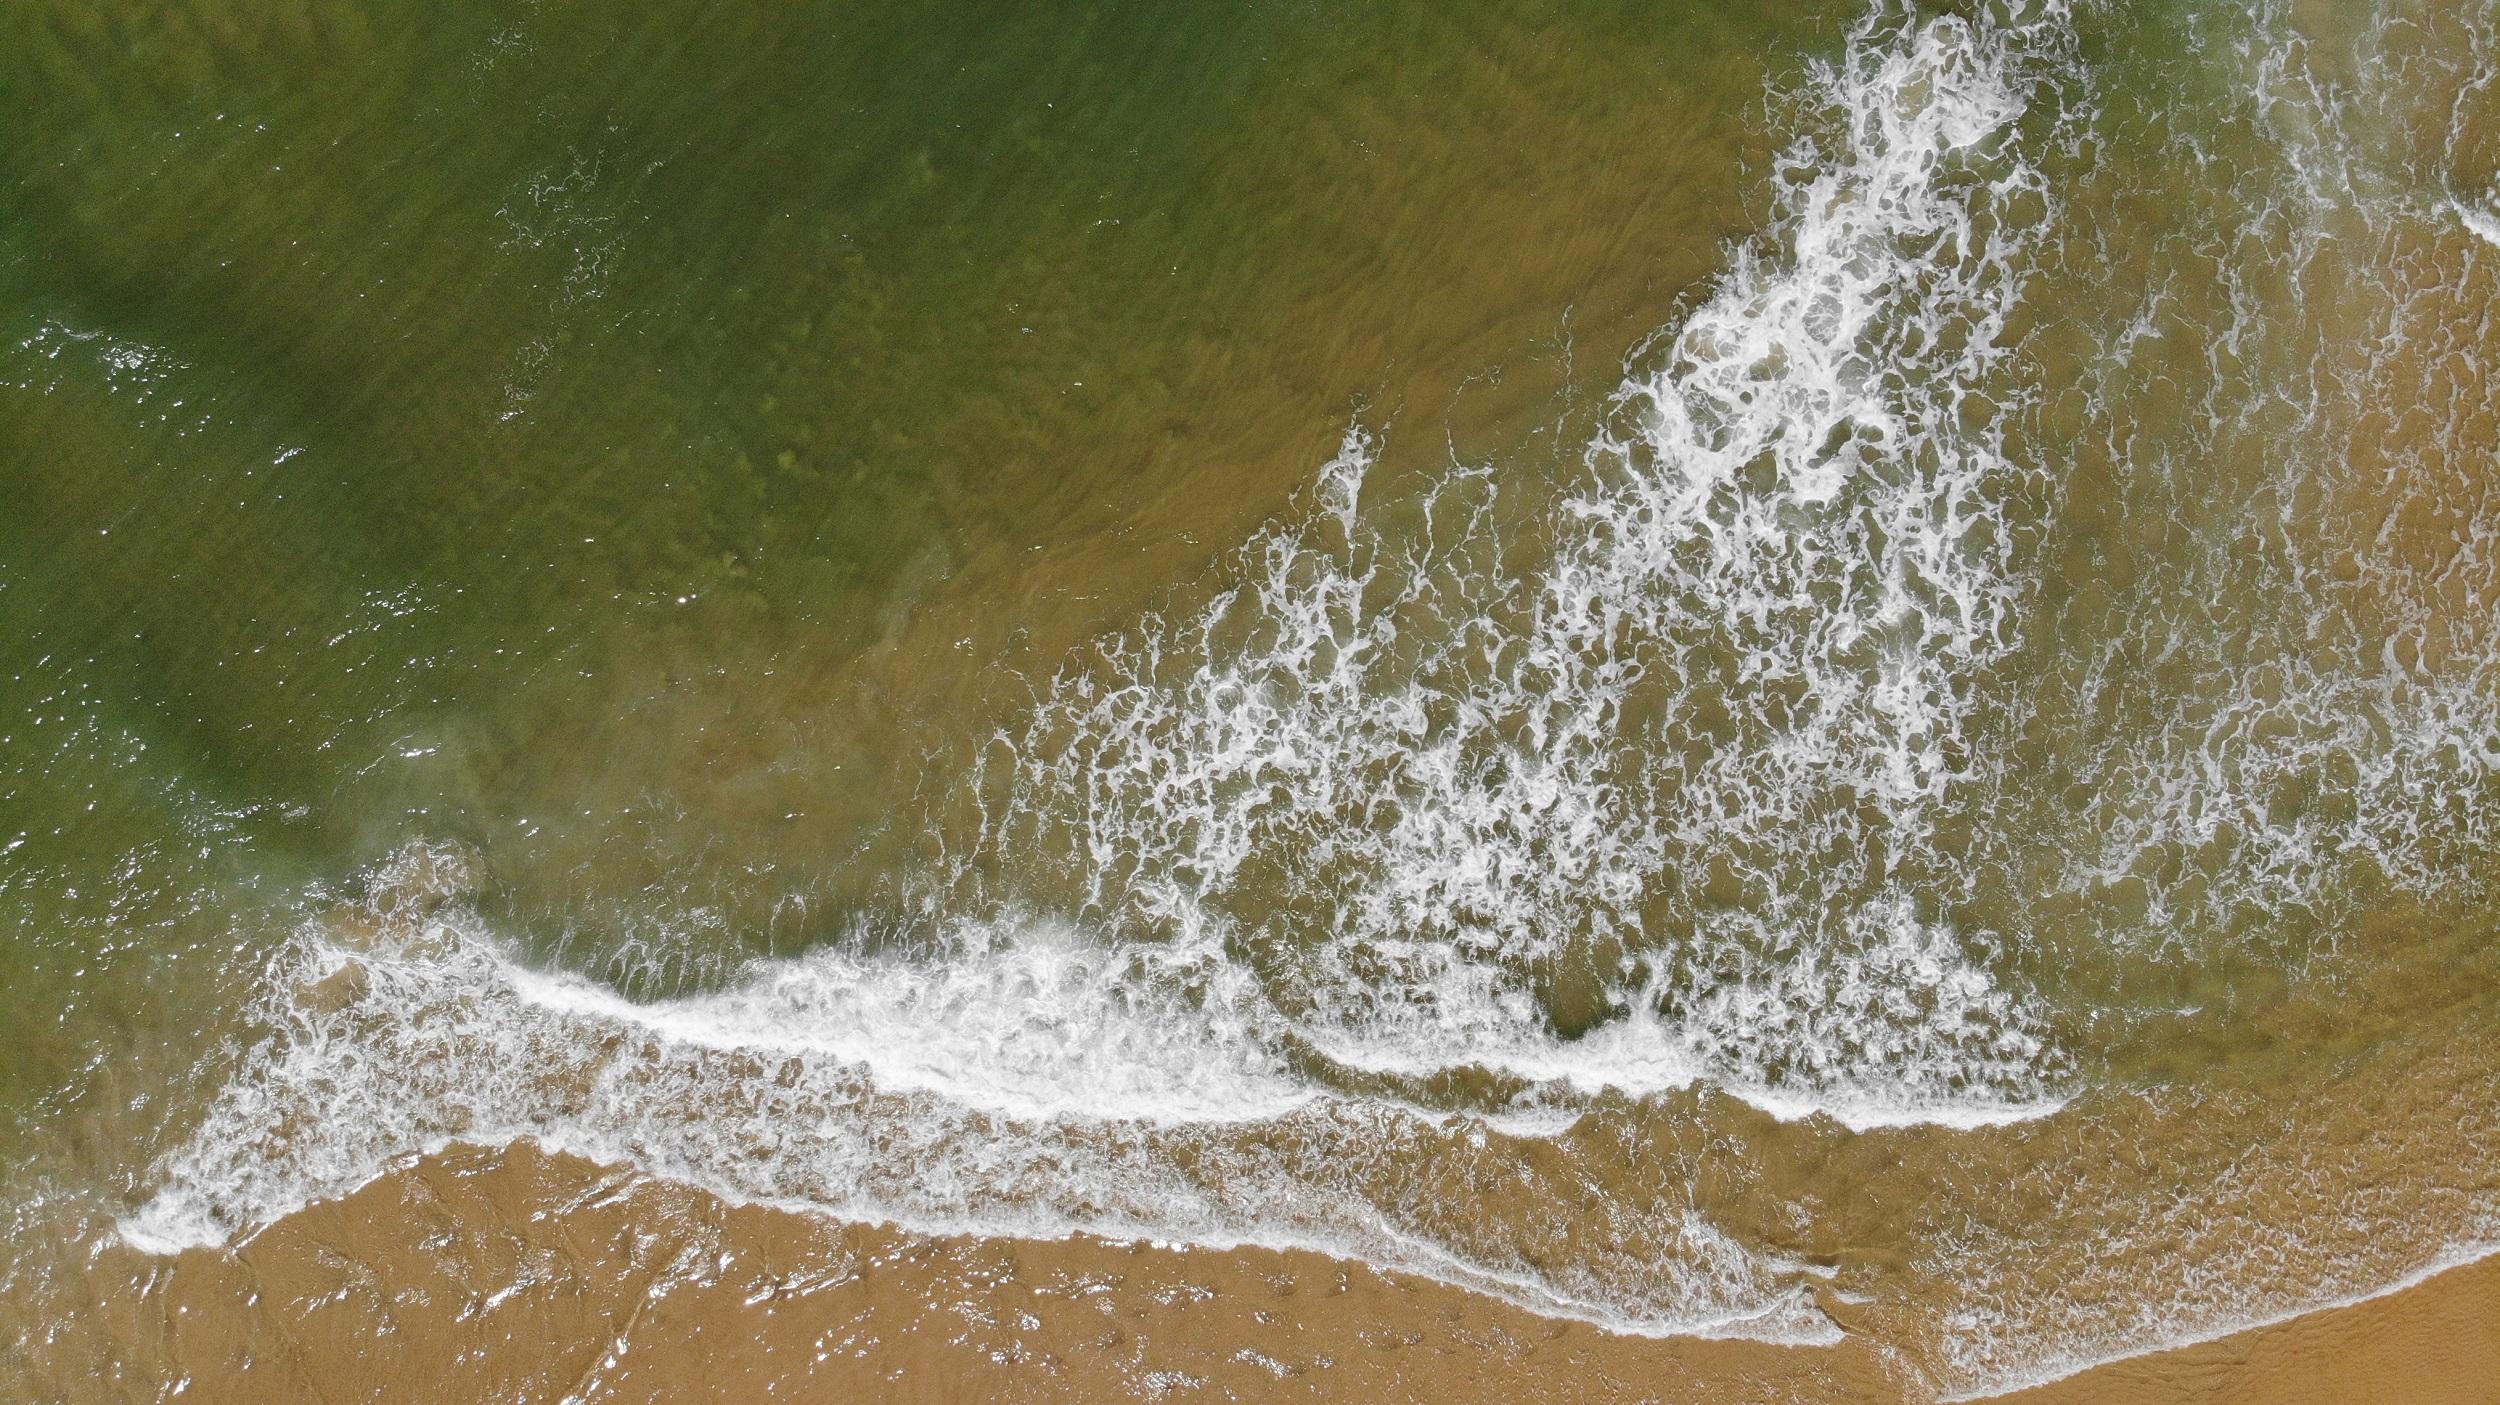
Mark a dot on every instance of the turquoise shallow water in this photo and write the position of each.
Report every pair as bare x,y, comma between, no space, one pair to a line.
1407,634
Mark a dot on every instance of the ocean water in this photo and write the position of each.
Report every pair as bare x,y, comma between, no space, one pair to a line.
1713,670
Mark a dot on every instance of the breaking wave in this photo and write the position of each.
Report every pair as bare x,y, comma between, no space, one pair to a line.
1463,810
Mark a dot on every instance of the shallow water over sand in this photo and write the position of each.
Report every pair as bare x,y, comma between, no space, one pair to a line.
1730,676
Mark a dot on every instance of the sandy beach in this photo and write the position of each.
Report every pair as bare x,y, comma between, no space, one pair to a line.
2434,1343
513,1275
1495,701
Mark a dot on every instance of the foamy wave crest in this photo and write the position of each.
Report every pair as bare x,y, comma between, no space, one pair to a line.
1658,759
1008,1087
1454,818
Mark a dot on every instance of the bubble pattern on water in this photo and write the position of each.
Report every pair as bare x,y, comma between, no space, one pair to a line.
2309,694
1366,809
2307,702
1349,903
1015,1091
1676,737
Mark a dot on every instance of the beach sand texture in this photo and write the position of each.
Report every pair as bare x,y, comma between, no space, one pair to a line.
1507,700
515,1276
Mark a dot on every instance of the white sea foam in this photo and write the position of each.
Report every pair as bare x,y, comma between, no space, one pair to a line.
1579,794
2058,1368
1420,765
1015,1093
2341,709
1415,759
2479,219
2326,740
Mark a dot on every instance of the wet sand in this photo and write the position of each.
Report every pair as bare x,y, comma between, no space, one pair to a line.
492,1274
514,1275
478,1274
2434,1343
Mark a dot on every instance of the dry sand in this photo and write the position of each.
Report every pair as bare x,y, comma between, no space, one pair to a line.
517,1276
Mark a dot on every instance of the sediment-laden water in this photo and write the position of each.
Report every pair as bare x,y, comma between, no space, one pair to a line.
1714,672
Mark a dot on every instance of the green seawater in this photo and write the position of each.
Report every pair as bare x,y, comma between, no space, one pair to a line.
747,485
514,423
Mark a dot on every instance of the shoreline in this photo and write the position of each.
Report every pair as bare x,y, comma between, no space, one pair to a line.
515,1273
2047,1385
2430,1339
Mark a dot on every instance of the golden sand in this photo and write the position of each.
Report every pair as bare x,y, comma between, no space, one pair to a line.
2435,1343
518,1276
